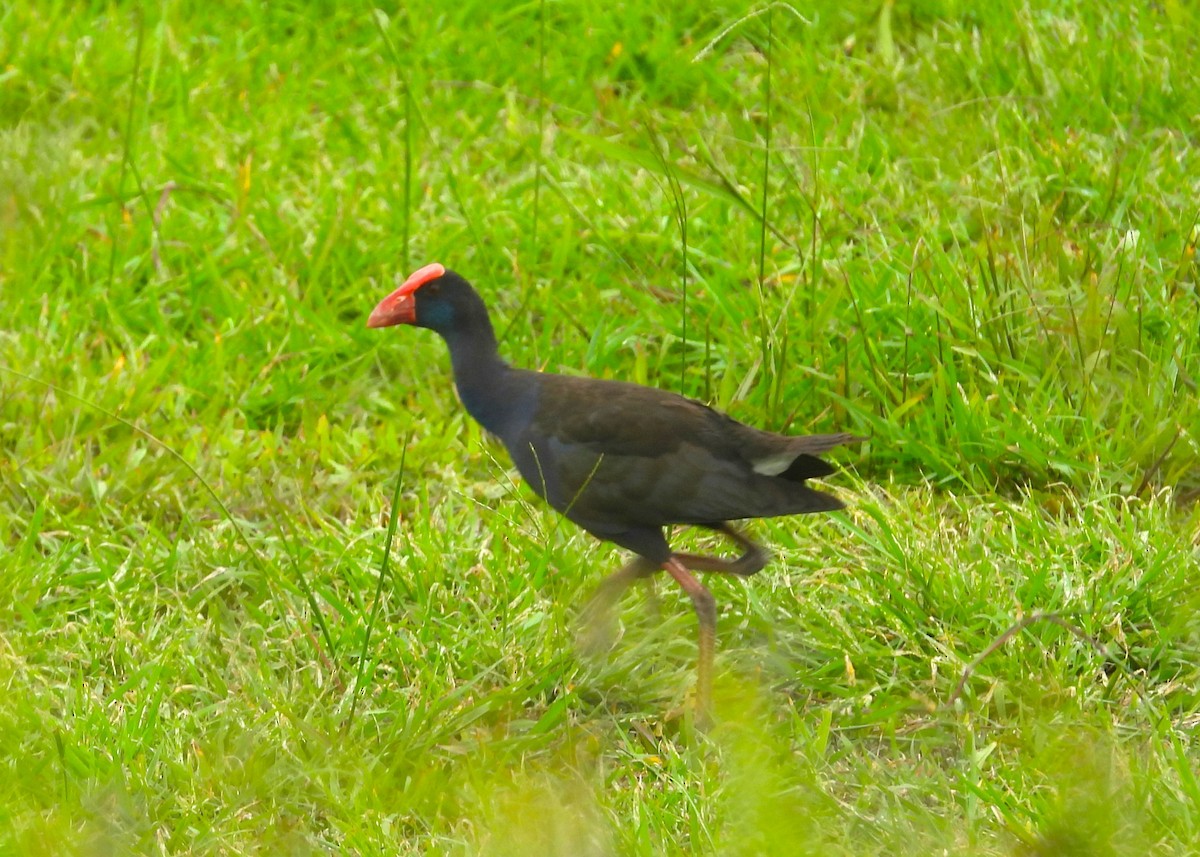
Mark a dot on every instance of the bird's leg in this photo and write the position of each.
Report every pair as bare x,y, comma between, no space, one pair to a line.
653,607
706,612
753,557
596,625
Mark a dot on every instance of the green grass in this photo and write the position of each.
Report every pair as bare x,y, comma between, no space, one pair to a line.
967,230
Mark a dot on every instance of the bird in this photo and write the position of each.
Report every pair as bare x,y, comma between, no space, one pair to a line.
621,460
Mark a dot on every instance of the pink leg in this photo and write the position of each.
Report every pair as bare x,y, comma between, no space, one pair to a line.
597,627
706,613
751,561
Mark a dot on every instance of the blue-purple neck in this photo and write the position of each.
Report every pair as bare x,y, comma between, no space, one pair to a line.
483,379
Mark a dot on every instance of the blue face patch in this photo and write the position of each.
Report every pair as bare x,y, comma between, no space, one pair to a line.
436,315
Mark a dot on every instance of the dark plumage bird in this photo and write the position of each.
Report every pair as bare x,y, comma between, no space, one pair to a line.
621,460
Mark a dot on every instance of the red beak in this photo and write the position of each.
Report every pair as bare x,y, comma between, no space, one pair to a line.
400,307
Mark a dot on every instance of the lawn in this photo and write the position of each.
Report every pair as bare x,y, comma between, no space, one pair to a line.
965,230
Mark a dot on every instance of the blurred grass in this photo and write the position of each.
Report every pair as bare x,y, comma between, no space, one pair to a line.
978,247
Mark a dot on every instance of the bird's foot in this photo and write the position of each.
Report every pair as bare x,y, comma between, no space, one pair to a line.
597,632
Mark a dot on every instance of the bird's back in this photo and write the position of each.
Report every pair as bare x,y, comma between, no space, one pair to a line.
610,454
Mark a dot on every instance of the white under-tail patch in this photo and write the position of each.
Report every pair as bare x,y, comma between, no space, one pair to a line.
775,464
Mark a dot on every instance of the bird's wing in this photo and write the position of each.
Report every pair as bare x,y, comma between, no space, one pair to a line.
605,451
614,417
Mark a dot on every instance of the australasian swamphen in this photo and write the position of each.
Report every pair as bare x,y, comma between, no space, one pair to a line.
621,460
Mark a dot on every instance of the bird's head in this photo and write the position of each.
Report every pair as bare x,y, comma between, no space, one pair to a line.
431,297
